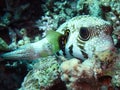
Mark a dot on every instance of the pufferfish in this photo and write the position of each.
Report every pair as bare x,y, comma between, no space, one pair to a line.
79,37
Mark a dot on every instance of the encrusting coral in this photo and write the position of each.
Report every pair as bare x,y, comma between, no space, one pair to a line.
77,75
43,75
3,45
73,71
72,38
87,40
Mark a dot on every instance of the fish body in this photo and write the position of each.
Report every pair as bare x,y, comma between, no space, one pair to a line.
86,35
79,37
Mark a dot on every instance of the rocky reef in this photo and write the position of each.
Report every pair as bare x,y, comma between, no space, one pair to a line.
101,72
43,75
90,71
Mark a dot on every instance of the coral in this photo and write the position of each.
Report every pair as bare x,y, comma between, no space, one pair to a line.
62,10
43,74
57,12
116,79
73,70
45,24
92,7
99,72
3,45
116,72
76,75
116,37
111,12
25,39
106,63
12,74
15,17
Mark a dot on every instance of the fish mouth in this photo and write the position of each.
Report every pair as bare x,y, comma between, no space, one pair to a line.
111,49
107,55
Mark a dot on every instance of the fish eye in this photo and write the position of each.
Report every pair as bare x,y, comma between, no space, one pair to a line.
84,33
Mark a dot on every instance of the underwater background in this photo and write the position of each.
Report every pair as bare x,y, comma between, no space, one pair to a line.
26,21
